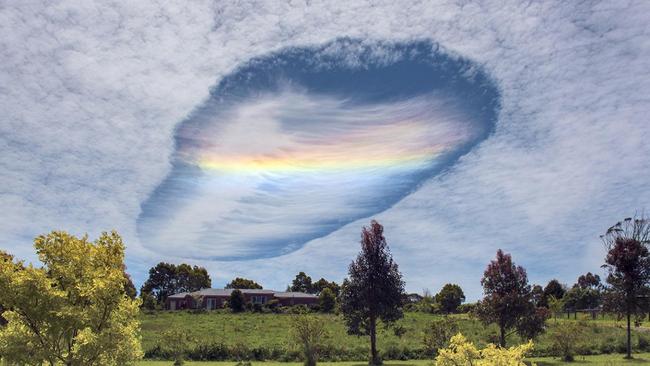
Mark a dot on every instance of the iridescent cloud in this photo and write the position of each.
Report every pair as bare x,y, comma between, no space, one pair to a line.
286,150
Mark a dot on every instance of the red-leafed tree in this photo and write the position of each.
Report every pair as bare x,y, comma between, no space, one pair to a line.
374,289
508,301
628,266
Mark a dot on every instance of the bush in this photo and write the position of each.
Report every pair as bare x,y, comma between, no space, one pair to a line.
565,340
309,333
236,301
438,333
643,343
466,308
327,300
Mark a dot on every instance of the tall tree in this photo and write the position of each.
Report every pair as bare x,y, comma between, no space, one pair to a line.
537,293
244,284
161,282
373,290
322,284
450,297
508,300
302,283
166,279
553,288
73,310
628,266
191,278
589,280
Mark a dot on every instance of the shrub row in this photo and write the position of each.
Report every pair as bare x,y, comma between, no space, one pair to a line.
223,352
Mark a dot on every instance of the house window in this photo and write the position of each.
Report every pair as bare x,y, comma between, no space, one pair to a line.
258,300
212,304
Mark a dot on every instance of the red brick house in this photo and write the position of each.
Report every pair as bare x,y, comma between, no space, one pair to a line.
211,298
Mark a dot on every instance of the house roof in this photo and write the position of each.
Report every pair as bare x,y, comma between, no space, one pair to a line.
227,292
294,295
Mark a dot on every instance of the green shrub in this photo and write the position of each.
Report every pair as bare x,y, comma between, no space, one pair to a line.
438,333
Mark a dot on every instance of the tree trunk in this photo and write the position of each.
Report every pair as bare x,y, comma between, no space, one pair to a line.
374,358
502,336
629,337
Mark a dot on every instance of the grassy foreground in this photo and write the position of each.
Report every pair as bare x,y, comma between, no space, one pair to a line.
255,336
599,360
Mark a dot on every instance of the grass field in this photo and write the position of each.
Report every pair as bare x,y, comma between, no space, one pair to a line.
599,360
267,336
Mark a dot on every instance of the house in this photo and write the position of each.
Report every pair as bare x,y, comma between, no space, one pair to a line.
212,298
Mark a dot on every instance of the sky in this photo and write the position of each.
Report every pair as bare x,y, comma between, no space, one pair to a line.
257,138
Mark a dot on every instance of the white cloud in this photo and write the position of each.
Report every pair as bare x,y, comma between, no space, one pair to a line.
90,95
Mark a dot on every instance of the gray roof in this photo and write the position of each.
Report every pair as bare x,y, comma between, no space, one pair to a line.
295,294
227,292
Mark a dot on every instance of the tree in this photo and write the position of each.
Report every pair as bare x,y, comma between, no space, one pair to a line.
237,302
450,298
327,300
191,278
161,282
244,284
628,266
166,279
537,293
129,287
555,306
73,310
553,288
374,289
302,283
589,280
309,332
322,284
508,300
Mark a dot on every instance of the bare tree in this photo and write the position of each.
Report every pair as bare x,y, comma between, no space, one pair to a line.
628,264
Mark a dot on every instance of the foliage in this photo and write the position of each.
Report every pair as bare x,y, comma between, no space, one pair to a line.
309,332
129,287
327,300
565,340
322,284
237,302
244,284
589,280
374,289
166,279
177,342
462,352
580,298
302,283
74,309
508,301
555,306
553,288
537,295
438,333
449,298
628,266
267,336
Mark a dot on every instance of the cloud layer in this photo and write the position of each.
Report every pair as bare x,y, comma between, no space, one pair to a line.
91,95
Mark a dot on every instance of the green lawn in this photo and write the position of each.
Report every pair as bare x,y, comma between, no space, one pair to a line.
267,336
600,360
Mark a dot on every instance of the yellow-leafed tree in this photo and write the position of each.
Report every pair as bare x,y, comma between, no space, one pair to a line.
71,311
462,352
